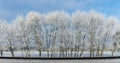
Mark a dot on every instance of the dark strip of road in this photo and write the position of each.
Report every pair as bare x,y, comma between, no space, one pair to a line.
61,58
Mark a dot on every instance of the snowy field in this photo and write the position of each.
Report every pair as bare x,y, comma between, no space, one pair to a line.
35,54
56,54
60,61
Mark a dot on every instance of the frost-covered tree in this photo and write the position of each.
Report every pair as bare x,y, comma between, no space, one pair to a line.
2,36
80,25
19,25
23,35
61,34
57,23
95,26
10,37
113,34
34,26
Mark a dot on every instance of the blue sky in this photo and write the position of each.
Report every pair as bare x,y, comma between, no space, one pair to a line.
9,9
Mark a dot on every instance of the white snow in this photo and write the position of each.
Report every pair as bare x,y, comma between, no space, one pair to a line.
56,54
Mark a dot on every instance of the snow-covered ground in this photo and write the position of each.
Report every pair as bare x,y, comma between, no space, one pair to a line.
35,54
56,54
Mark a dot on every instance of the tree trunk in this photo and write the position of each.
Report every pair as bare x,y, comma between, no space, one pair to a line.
71,52
66,53
113,52
1,52
48,53
81,52
12,52
39,52
103,47
51,53
98,49
60,52
90,51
